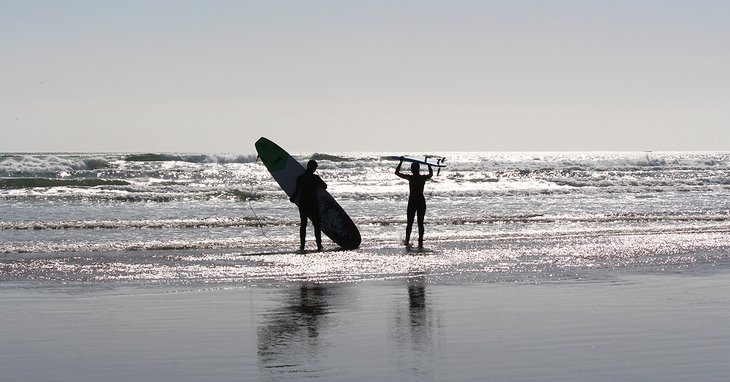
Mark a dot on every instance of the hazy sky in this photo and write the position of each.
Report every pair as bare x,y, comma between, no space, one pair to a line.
387,75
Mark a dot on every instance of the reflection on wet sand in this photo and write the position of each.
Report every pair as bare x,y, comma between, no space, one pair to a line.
302,336
289,338
417,334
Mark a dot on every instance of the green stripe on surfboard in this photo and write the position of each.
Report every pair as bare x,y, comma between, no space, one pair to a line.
273,156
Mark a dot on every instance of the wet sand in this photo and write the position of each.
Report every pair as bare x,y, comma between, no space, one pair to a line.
629,327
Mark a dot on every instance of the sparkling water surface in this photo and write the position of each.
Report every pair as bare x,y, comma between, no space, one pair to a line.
220,218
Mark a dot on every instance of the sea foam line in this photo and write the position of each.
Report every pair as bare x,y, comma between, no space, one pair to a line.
151,224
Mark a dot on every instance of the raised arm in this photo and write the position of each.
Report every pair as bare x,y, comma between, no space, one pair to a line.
430,172
397,170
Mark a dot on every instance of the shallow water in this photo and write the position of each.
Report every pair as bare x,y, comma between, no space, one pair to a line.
160,219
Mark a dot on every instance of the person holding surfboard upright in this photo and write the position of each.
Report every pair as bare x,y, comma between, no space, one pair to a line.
306,191
416,200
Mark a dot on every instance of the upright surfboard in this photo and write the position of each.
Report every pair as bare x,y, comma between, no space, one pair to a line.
334,221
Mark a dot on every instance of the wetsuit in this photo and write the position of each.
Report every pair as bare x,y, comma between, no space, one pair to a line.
306,191
416,202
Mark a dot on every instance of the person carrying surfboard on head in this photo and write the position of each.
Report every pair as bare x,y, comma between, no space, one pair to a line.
306,192
416,200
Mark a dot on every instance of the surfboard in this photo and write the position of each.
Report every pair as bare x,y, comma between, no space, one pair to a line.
334,221
431,160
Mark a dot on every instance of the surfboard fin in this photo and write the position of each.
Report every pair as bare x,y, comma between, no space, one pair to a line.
439,161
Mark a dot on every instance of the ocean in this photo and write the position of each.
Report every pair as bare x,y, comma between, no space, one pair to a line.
221,218
585,266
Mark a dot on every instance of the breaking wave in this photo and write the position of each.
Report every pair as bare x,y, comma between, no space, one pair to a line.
21,183
191,158
140,224
49,165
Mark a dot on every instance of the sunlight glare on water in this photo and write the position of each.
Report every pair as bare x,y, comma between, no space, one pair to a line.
221,218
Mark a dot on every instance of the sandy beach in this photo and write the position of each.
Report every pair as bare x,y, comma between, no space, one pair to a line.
622,327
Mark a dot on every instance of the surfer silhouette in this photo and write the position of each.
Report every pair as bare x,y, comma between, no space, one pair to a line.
306,193
416,200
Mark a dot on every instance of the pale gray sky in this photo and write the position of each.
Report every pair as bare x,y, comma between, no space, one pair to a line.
387,75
